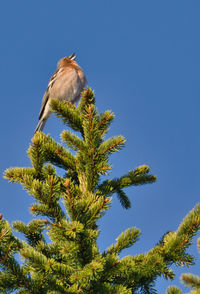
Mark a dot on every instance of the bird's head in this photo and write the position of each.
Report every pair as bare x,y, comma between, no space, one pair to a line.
68,60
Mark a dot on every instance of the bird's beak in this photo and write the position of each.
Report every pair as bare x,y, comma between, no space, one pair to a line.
72,57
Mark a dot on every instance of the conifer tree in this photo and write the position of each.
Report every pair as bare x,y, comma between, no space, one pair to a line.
71,261
189,280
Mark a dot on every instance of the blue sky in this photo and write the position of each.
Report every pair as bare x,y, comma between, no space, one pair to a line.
142,58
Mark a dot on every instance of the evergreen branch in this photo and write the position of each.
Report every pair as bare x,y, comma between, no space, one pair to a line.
55,213
87,98
50,170
65,231
123,198
32,231
192,281
17,174
60,268
73,141
139,176
55,153
47,193
125,240
68,114
36,154
22,280
92,142
89,208
96,209
191,223
115,289
46,222
41,263
91,173
69,200
151,265
111,145
90,128
15,279
174,249
54,284
136,177
89,273
28,178
105,119
74,289
103,167
128,271
8,282
87,246
173,290
9,245
176,243
111,267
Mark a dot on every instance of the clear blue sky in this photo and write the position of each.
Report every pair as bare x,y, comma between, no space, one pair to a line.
142,58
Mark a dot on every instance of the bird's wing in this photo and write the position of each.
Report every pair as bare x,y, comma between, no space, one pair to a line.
44,102
46,94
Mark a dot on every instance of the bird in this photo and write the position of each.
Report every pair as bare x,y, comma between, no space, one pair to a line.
66,84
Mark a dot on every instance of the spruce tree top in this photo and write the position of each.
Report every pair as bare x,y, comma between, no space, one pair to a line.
71,261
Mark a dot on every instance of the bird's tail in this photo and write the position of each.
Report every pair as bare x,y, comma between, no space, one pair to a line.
40,125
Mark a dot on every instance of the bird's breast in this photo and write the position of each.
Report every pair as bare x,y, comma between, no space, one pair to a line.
68,86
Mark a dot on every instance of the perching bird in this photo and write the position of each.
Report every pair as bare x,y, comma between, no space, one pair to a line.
66,83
